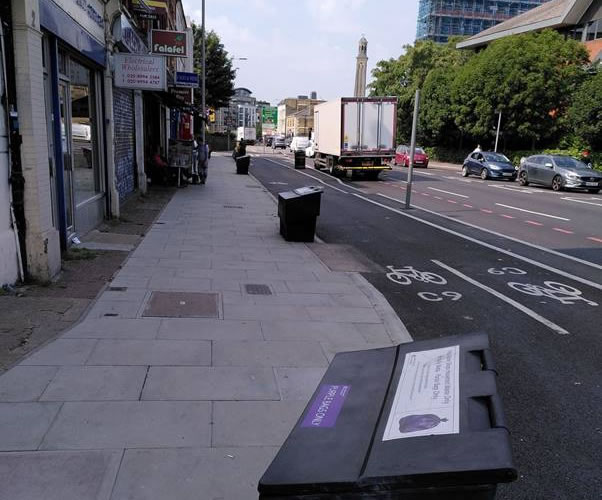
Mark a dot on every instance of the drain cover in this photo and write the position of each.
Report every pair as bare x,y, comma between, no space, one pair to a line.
118,289
233,206
258,289
183,305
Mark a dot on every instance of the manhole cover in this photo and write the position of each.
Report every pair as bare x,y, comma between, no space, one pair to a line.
183,305
118,289
258,289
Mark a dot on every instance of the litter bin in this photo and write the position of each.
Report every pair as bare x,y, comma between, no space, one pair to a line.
418,421
298,211
242,164
299,159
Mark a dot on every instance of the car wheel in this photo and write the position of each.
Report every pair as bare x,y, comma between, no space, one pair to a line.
484,174
557,183
522,179
593,191
464,171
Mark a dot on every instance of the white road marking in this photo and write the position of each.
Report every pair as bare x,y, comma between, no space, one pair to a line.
532,222
508,300
516,190
449,192
564,231
583,201
554,270
597,240
531,212
423,173
307,175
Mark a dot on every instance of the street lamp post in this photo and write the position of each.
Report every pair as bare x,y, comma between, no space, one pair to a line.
203,74
497,135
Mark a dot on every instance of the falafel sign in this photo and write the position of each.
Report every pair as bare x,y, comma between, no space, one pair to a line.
427,398
168,43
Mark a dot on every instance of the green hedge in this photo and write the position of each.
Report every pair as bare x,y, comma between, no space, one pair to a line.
455,156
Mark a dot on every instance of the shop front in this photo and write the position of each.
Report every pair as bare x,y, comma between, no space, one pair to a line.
73,53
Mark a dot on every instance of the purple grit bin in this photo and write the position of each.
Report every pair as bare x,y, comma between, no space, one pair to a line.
326,406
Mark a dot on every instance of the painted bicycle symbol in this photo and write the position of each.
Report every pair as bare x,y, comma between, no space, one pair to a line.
435,297
566,295
506,270
405,275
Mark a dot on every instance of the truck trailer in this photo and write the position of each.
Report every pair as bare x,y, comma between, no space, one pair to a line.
355,135
249,134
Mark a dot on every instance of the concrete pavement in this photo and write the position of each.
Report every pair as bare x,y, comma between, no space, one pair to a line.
182,381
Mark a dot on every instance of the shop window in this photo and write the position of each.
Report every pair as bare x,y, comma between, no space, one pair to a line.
86,181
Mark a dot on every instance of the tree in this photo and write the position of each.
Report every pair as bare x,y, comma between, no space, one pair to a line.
436,116
530,78
402,76
219,75
585,113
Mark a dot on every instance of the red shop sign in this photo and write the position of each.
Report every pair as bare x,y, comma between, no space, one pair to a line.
168,43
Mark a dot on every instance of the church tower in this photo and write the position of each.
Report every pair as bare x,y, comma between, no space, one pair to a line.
361,68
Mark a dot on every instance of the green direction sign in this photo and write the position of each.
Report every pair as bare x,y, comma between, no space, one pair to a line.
269,115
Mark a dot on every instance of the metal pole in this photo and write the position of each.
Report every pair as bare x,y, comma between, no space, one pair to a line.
203,74
497,135
412,148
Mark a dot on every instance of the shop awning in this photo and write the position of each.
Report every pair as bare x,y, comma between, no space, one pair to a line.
152,6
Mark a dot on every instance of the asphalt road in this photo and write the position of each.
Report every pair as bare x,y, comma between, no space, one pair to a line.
540,308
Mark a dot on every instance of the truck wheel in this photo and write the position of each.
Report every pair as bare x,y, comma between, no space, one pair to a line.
373,176
331,168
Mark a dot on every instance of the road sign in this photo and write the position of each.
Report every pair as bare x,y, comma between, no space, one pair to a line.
269,115
184,79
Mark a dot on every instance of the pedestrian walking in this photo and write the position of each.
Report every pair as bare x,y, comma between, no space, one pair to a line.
202,154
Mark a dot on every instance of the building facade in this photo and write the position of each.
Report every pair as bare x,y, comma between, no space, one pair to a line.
82,137
577,19
440,19
288,107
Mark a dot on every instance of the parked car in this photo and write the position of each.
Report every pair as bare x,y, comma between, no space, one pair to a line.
402,157
489,165
310,150
559,172
298,144
279,142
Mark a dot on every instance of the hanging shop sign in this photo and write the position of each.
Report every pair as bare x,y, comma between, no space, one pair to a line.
149,9
140,72
126,35
184,79
183,95
168,43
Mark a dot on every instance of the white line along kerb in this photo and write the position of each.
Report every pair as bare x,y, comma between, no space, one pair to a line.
508,300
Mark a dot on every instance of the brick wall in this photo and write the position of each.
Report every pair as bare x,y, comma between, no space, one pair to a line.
125,141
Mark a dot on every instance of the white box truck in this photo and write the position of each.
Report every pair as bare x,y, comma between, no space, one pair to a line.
249,134
355,134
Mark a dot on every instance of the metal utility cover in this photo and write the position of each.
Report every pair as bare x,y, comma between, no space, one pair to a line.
183,305
258,289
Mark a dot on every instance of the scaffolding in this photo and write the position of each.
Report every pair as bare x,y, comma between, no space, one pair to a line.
440,19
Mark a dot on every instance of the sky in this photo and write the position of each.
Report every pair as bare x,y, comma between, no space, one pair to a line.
294,47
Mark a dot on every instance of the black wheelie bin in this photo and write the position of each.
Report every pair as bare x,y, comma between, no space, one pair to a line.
298,211
420,421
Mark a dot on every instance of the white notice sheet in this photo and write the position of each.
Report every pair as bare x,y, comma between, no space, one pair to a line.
427,396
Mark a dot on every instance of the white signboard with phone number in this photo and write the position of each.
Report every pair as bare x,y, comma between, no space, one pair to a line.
133,71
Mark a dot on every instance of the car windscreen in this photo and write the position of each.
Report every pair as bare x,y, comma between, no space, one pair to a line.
496,157
568,162
419,151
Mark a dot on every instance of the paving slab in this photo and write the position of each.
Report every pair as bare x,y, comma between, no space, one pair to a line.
115,328
151,352
62,352
343,314
320,331
23,425
192,474
25,383
96,383
265,312
298,384
254,423
130,424
210,383
268,354
59,475
209,329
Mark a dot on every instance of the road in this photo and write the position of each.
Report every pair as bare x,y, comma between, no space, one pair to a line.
538,300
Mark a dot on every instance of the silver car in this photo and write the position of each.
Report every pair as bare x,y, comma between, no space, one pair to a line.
559,172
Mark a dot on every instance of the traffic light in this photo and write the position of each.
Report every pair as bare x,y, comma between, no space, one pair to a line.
212,115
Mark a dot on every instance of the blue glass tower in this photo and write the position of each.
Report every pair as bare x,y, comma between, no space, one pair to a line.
440,19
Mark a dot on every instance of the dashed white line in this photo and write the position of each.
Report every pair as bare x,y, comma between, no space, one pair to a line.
467,205
560,230
311,176
587,282
531,212
507,216
438,198
516,190
486,210
597,240
449,192
583,201
508,300
452,201
533,223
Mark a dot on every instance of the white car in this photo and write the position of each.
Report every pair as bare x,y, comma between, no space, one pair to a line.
310,151
298,144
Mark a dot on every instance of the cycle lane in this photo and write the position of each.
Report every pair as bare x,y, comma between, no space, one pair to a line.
547,379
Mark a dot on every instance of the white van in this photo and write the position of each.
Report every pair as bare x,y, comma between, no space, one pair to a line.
299,144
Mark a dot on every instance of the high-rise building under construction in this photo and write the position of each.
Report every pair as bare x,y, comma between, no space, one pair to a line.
440,19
